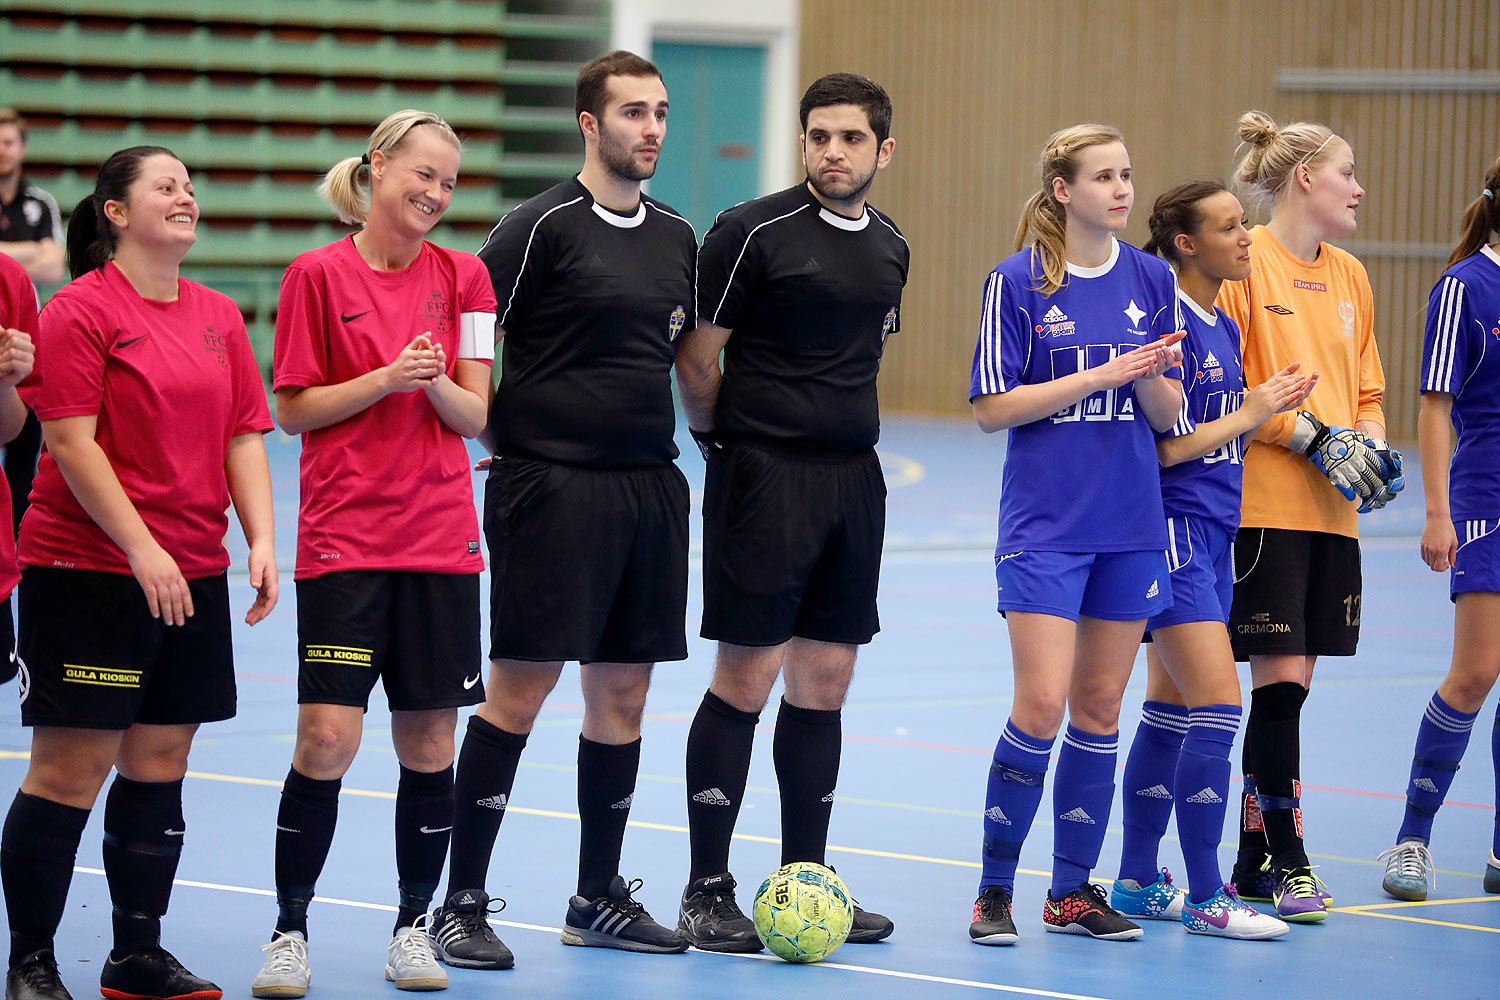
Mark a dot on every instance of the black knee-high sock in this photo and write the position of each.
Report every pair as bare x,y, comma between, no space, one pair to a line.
304,832
806,750
1252,850
718,764
606,787
1278,757
143,834
481,789
37,851
424,820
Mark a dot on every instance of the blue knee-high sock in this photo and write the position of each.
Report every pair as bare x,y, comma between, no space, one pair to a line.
1441,740
1203,794
1495,753
1150,778
1017,774
1081,798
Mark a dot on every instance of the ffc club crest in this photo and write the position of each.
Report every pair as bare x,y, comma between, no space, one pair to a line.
675,321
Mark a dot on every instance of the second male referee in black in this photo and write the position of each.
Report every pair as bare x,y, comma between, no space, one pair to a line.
799,290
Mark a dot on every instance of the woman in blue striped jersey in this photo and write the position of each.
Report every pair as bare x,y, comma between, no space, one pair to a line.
1180,756
1460,386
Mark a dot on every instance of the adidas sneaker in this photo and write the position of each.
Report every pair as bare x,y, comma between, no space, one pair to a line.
617,920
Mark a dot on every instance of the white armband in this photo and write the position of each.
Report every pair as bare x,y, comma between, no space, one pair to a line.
476,336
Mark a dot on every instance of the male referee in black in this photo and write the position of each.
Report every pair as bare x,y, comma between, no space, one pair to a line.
799,290
584,511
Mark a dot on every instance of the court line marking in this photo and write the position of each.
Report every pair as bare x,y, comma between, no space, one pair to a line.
841,966
1369,910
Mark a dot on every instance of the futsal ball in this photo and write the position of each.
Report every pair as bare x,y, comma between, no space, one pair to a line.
803,912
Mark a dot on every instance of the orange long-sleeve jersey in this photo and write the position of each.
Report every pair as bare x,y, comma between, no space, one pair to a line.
1321,314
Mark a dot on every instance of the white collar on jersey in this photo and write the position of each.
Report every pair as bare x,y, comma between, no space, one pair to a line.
1102,269
621,221
1212,319
1489,252
839,222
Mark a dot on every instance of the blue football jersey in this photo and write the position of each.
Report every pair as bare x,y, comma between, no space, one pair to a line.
1461,356
1084,479
1213,386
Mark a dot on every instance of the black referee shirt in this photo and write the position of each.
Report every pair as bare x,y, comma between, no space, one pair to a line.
31,216
810,297
591,302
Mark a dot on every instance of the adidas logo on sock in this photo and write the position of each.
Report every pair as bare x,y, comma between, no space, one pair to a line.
1206,797
1077,816
1155,792
828,797
625,802
712,797
1055,315
495,802
1153,591
995,813
1426,785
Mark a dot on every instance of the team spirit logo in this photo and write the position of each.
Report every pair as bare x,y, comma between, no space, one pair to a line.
1346,316
675,322
888,325
1054,324
438,312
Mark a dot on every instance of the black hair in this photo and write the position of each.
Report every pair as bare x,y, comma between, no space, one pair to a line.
91,236
1177,212
850,88
1481,218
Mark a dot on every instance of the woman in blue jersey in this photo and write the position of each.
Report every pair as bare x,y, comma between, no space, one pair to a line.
1077,332
1180,756
1460,386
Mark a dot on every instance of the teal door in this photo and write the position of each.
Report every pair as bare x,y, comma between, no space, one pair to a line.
711,159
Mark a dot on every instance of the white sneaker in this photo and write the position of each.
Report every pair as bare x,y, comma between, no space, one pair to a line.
285,972
410,962
1224,915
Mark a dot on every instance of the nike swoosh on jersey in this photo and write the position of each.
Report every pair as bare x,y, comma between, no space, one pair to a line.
127,343
347,318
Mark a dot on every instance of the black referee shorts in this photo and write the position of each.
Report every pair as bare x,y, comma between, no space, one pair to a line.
791,546
92,657
8,666
1295,593
586,564
417,633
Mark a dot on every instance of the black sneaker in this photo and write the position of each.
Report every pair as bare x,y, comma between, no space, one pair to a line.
992,922
615,920
463,938
711,919
866,927
36,978
1087,911
152,974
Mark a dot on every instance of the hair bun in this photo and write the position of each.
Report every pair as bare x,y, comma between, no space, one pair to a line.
1257,128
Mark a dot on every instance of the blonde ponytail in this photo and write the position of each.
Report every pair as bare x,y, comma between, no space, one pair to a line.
1043,218
342,188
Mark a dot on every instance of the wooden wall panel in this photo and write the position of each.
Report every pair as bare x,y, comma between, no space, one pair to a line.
979,85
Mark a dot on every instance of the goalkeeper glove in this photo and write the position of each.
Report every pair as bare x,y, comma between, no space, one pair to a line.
1340,454
1392,479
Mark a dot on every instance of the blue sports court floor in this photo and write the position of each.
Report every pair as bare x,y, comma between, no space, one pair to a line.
929,697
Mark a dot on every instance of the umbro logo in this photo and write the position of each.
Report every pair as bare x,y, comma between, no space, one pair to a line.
712,797
495,802
1077,816
1055,315
995,813
625,802
1205,797
1153,591
1155,792
1426,785
1279,310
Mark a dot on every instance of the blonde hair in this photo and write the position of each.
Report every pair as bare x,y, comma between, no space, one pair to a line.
1276,153
1042,217
341,186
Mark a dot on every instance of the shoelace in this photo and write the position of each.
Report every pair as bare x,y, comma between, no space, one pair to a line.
992,904
723,906
1302,883
288,954
1412,859
415,946
477,919
41,976
627,904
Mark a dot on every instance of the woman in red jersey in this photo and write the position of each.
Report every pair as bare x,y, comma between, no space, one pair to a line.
152,412
383,350
17,354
